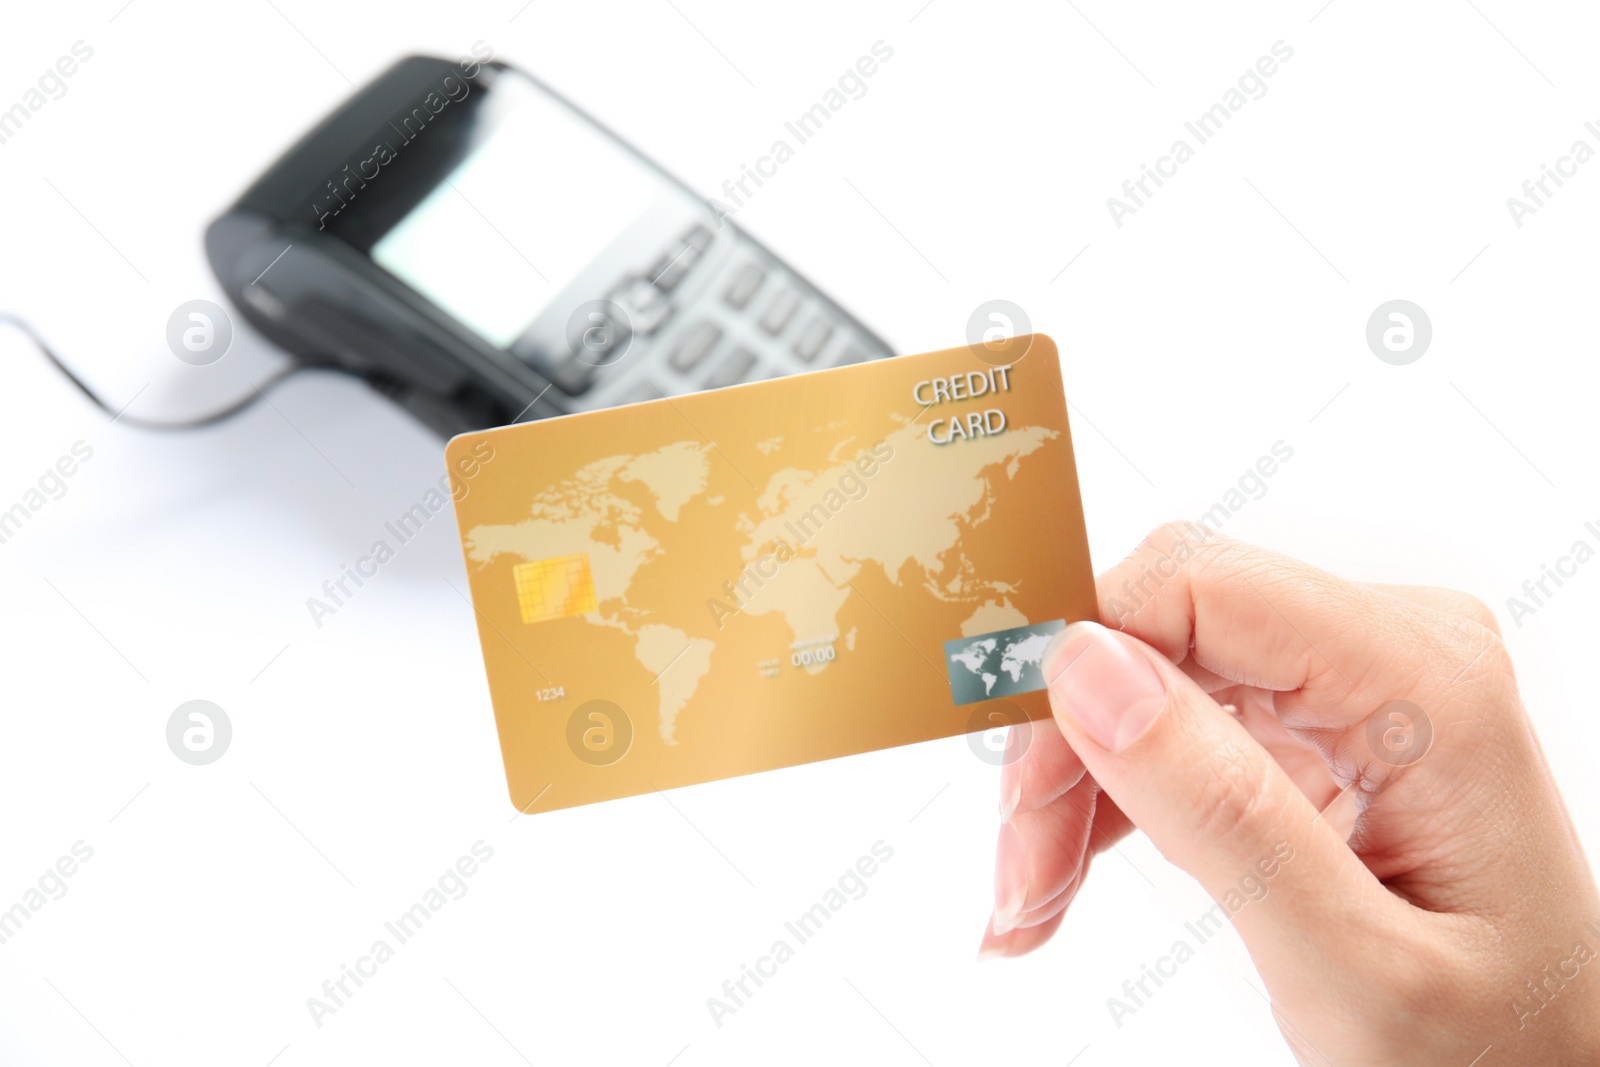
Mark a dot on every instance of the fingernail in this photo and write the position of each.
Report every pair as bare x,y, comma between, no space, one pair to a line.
1011,777
1010,880
993,946
1107,688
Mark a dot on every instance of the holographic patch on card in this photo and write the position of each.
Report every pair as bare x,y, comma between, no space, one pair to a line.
999,664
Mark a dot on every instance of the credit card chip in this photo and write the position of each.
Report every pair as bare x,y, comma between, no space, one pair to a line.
554,588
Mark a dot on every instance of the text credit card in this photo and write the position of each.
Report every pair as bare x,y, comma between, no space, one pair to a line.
710,585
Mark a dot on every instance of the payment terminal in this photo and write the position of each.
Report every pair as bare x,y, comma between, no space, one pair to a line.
483,252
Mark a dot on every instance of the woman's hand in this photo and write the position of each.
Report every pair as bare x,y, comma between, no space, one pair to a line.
1427,900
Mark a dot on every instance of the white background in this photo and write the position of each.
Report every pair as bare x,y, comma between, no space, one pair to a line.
1226,315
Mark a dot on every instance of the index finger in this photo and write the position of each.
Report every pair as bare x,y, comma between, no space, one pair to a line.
1332,651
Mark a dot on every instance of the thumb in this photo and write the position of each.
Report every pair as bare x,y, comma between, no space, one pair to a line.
1209,797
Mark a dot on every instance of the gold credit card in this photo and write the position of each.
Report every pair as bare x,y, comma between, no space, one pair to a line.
732,581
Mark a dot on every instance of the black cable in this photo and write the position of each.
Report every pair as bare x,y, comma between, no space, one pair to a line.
147,424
